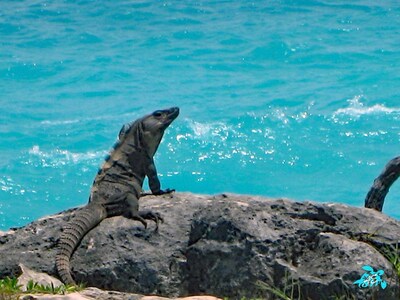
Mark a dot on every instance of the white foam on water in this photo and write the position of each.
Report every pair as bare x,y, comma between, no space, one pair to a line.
59,157
8,185
209,131
126,117
356,109
59,122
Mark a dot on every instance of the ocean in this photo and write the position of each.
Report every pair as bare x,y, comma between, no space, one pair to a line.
294,99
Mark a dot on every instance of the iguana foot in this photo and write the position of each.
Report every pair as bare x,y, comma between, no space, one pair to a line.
154,216
159,193
140,219
162,192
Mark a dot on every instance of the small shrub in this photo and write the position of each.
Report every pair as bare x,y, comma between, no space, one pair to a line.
11,290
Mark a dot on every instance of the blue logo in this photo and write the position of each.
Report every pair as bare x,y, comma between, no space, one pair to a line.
371,278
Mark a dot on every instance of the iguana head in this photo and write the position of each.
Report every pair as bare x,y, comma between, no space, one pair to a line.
154,125
149,130
159,120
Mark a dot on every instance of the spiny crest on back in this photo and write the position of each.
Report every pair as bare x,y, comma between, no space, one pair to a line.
125,129
128,127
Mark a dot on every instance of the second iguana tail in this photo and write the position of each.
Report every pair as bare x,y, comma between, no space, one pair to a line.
85,219
380,188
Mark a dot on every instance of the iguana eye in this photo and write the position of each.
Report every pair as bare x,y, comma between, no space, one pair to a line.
157,113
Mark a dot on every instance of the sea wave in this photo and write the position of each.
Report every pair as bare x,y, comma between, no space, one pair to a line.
356,109
59,122
8,185
59,157
244,137
125,117
213,130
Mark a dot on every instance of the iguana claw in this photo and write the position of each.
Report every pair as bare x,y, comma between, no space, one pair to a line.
162,192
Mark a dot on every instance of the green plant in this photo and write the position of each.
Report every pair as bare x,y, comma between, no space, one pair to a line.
288,291
277,292
10,289
9,285
392,254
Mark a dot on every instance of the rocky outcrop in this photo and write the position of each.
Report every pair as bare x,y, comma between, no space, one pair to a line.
88,293
223,246
97,294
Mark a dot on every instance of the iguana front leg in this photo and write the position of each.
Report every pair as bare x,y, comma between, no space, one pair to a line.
154,182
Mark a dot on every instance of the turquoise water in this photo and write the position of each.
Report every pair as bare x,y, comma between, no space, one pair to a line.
295,99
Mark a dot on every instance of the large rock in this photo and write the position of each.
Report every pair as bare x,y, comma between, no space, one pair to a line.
221,245
87,293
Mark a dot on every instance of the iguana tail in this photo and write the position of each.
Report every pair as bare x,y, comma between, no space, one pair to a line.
85,219
380,188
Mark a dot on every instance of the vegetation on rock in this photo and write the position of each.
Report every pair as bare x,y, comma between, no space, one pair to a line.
10,289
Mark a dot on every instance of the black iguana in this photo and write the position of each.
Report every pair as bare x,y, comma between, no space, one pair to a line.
118,184
378,191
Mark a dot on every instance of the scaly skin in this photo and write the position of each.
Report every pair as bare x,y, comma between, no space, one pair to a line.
118,184
377,193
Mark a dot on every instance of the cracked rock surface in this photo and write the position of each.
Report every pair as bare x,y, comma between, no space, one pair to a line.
223,246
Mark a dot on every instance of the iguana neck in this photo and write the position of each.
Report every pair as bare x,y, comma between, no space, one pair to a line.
119,165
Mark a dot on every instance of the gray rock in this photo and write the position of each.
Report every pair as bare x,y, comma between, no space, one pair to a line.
95,293
6,232
40,278
88,293
223,246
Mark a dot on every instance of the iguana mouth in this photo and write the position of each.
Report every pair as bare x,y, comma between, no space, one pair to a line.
173,113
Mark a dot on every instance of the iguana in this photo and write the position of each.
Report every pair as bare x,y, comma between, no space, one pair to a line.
118,184
379,189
